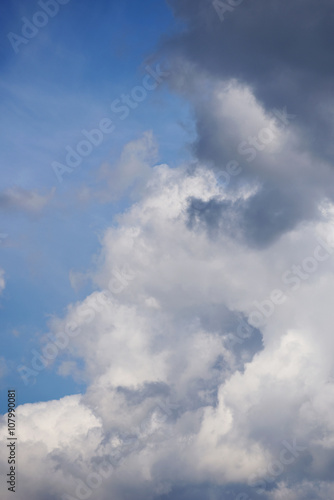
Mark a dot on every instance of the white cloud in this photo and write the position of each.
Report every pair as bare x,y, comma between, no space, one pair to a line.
165,391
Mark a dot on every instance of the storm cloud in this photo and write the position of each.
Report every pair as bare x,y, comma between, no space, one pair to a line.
263,71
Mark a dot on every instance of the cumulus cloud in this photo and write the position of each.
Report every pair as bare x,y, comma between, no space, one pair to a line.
207,345
174,397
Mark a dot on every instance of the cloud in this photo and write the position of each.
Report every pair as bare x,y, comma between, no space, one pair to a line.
2,280
242,76
170,400
128,176
306,490
234,128
207,345
23,200
276,48
77,279
42,448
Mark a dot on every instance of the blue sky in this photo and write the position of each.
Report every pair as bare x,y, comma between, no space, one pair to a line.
62,81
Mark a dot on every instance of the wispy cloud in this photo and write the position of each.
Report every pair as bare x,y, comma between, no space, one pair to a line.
23,200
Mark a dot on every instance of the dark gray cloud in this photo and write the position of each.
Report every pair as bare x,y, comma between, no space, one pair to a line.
257,221
149,390
282,52
212,492
282,48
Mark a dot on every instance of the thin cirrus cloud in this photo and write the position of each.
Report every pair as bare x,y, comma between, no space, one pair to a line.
23,200
129,174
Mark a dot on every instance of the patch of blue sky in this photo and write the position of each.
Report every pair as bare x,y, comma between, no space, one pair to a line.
62,81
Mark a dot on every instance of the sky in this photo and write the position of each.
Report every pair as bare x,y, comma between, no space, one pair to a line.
166,249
